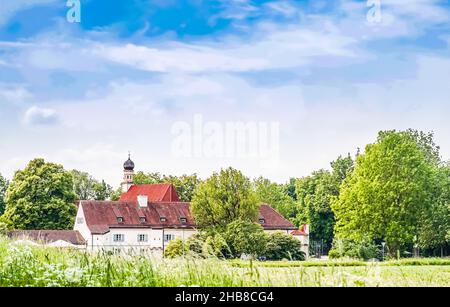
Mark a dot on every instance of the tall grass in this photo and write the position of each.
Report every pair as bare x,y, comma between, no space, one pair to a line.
27,265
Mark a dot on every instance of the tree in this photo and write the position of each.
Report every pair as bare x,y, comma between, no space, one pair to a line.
389,190
150,178
41,197
315,194
3,188
223,198
283,246
276,196
245,237
102,191
88,188
175,248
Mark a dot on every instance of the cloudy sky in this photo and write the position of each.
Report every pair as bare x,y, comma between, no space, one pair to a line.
331,74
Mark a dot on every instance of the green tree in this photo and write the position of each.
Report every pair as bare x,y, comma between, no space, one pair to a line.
150,178
88,188
175,248
283,246
40,197
315,194
223,198
245,237
276,196
389,190
3,187
102,191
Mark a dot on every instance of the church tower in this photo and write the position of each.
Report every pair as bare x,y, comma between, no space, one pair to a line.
128,174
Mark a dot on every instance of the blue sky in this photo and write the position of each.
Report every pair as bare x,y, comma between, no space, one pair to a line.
83,94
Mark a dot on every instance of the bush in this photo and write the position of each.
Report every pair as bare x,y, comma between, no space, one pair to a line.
364,249
283,246
176,248
244,237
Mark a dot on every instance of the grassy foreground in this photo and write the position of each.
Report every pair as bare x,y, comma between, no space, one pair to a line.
25,265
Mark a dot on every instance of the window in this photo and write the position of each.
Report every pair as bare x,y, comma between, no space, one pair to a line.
169,237
262,221
183,220
163,219
142,219
120,219
80,220
142,238
118,237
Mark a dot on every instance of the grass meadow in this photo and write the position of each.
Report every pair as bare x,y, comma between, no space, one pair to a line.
24,265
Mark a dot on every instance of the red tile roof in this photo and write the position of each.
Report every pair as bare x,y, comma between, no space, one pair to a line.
48,236
273,219
155,192
102,215
300,232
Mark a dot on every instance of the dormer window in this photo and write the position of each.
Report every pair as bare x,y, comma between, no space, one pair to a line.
119,219
183,220
163,219
262,221
142,219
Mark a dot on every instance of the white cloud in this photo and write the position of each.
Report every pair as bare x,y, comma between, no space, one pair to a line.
9,8
40,116
14,93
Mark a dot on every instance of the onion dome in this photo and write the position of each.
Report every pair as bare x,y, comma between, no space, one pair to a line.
128,165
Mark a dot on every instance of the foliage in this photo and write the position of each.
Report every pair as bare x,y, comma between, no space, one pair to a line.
23,265
175,248
315,194
283,246
389,190
3,187
276,196
245,237
87,188
184,184
223,198
40,197
364,249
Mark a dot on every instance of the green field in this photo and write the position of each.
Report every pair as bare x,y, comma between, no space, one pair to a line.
25,265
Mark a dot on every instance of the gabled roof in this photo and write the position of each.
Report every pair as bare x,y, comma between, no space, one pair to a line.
48,236
100,216
155,192
274,220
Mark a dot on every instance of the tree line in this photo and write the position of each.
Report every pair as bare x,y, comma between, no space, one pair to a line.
396,192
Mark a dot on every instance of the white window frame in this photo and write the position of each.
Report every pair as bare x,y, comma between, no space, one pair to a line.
142,236
169,237
118,237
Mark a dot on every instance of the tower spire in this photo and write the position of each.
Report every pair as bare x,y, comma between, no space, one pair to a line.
128,174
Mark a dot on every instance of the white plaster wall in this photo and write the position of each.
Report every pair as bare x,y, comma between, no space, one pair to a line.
82,226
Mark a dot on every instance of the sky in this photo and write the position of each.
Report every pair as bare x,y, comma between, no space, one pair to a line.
167,80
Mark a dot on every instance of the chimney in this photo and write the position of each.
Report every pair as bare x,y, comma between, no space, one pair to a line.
142,201
306,228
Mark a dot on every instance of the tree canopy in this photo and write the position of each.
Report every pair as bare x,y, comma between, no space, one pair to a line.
40,197
389,191
3,188
88,188
223,198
